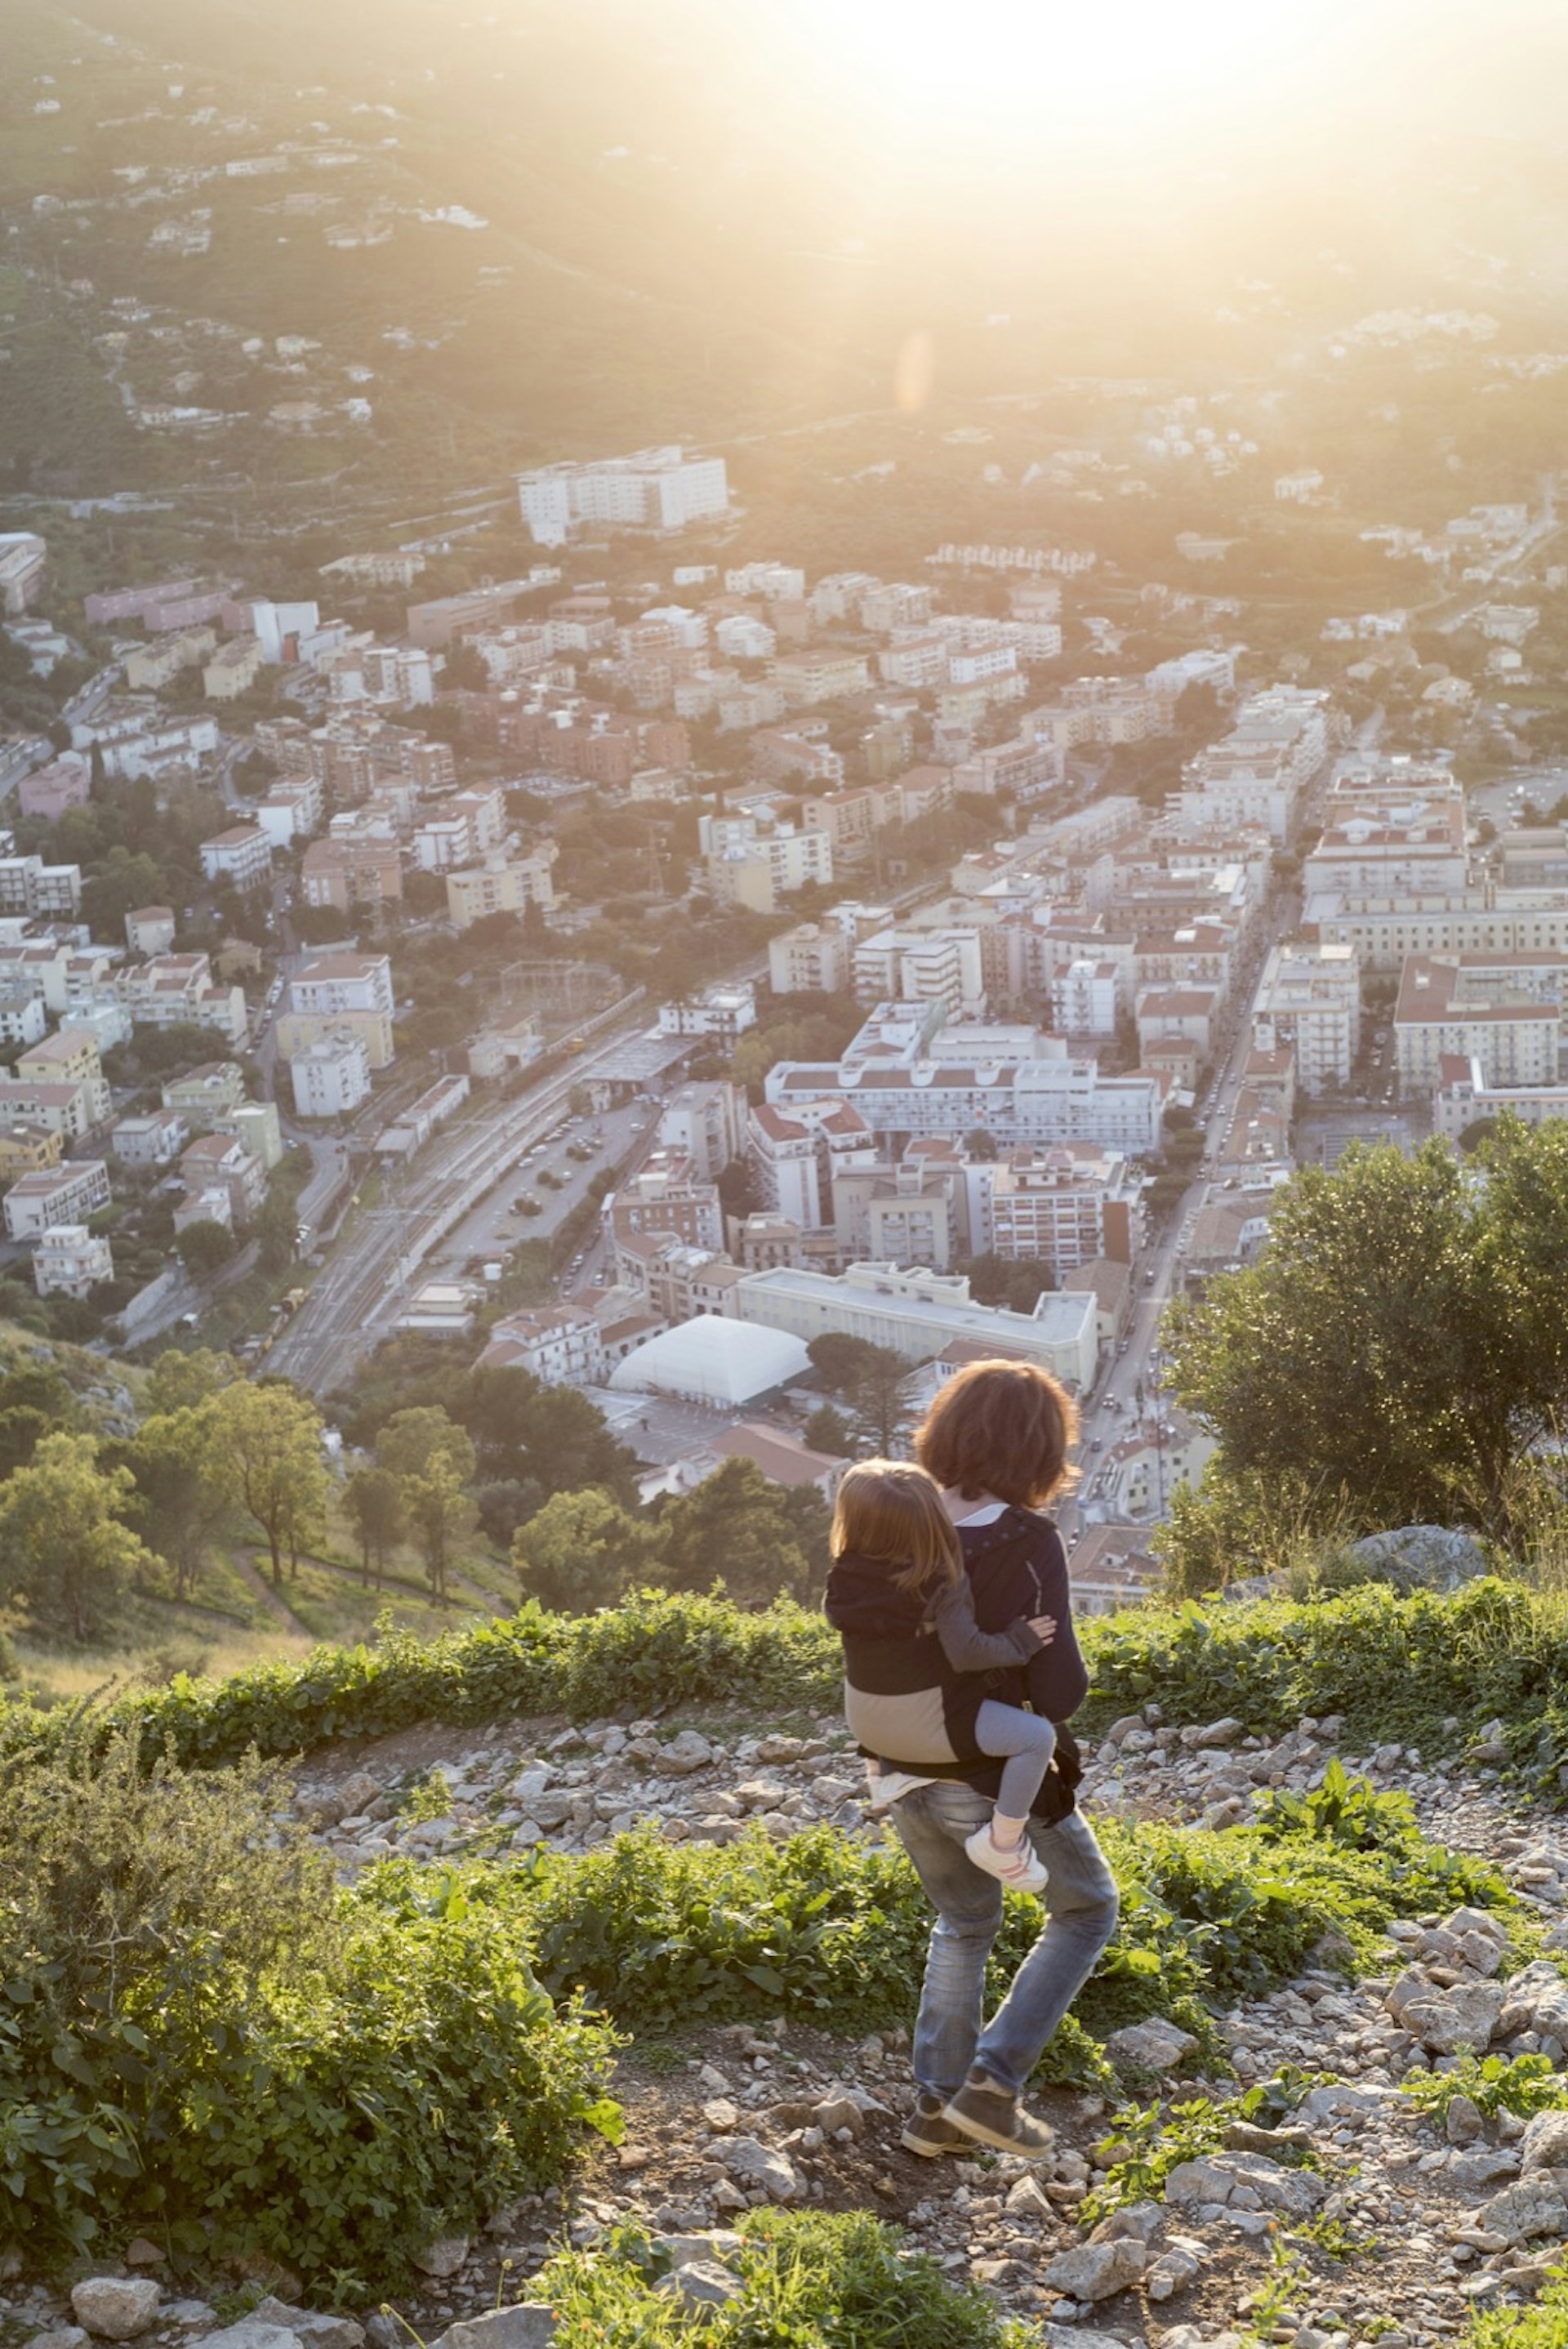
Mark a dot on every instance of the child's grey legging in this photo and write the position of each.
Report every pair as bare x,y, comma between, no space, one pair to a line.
1027,1741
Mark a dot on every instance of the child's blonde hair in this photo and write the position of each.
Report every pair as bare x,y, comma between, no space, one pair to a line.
892,1510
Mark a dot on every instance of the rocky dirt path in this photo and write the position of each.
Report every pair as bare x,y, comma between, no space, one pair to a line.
1369,2218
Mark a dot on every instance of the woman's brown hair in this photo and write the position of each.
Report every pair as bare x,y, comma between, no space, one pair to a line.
1003,1428
892,1510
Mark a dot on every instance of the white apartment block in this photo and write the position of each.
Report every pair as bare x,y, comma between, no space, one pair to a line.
48,893
796,1154
759,873
561,1345
1412,849
774,582
911,965
1063,1207
1503,1012
502,884
55,1194
1178,1015
242,857
1086,996
1463,1097
330,984
71,1261
173,991
813,959
331,1076
919,1314
1480,920
657,488
706,1124
156,1139
1046,1097
1309,1000
459,830
725,1010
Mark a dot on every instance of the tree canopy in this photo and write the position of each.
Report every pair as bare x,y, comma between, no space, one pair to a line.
1401,1343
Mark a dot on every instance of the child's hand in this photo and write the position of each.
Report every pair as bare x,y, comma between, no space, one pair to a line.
1044,1628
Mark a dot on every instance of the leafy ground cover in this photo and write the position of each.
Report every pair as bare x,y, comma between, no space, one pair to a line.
830,1932
1423,1669
808,2280
201,2039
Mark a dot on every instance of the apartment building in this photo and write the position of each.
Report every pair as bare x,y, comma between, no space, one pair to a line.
722,1010
174,991
70,1057
704,1124
46,893
459,830
156,1139
233,669
1086,996
560,1345
657,488
913,966
502,884
1046,1097
1504,1012
820,673
796,1156
1415,848
1062,1208
215,1089
220,1162
813,959
242,857
349,991
1463,1098
1187,1015
918,1313
361,870
27,1150
71,1261
68,1194
1383,932
331,1075
759,873
1309,1001
664,1199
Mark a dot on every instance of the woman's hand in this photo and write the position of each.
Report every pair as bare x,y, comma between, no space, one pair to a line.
1044,1628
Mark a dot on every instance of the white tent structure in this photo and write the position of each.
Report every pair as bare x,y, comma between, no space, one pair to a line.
713,1360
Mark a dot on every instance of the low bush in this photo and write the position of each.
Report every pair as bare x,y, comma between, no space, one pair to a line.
1544,2326
661,1937
655,1650
1395,1668
201,2038
808,2280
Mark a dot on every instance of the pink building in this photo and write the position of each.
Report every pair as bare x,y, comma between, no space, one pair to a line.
65,782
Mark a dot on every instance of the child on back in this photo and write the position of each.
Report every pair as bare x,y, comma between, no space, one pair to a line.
916,1661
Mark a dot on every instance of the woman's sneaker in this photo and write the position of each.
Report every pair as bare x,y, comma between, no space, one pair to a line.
1016,1867
992,2115
929,2133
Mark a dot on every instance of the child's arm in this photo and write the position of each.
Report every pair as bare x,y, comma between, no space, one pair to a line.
970,1650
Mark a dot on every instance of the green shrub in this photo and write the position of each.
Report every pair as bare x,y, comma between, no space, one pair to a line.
1391,1666
1544,2326
201,2036
655,1650
1524,2085
810,2280
661,1937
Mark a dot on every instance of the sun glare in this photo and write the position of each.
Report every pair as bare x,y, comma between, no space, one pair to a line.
1056,61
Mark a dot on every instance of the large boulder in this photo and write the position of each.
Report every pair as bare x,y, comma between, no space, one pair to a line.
116,2308
1096,2271
1419,1558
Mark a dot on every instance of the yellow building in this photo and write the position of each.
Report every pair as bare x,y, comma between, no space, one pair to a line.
28,1150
